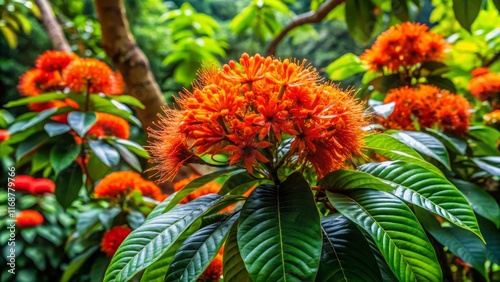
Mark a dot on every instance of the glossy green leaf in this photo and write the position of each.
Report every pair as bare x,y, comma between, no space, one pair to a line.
442,82
40,117
77,262
391,147
236,181
466,11
30,145
346,254
425,144
497,4
133,147
40,160
279,232
344,67
81,122
127,99
129,157
233,266
480,200
492,236
107,154
61,156
199,250
426,190
54,128
149,242
456,145
484,164
36,99
400,10
460,242
395,229
360,19
385,83
68,185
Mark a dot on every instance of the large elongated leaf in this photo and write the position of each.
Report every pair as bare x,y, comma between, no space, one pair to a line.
279,232
346,254
466,11
46,97
460,242
492,237
149,242
426,190
233,266
425,144
107,154
391,147
456,145
199,250
360,19
81,122
395,229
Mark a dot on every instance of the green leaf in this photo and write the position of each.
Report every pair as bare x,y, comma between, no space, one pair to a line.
426,190
456,145
480,200
483,164
107,154
160,208
497,4
196,183
108,216
344,67
466,11
47,97
98,269
346,254
442,82
127,99
360,19
40,159
130,158
68,185
391,147
96,169
433,68
395,229
30,145
492,237
149,242
233,266
81,122
77,263
54,128
460,242
400,10
279,232
62,156
86,220
236,181
199,250
134,147
425,144
39,118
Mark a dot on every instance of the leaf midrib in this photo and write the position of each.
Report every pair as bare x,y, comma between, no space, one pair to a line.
281,233
336,255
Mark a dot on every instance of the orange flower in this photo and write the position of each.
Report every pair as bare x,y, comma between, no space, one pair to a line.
251,113
109,125
492,119
479,71
51,61
117,184
214,270
4,135
89,75
113,238
404,45
117,85
42,186
29,218
23,183
453,114
35,81
151,190
485,86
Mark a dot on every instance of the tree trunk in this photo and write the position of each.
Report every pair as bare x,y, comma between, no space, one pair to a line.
52,27
128,58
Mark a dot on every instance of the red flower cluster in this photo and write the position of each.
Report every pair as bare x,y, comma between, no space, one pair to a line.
29,218
38,186
485,85
264,114
404,45
4,135
120,183
429,106
113,238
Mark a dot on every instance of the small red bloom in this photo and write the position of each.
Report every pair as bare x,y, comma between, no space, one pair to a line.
4,135
29,218
42,186
113,238
23,183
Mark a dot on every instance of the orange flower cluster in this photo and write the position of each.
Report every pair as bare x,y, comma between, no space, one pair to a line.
209,188
109,125
214,270
120,183
404,45
485,85
492,119
429,106
113,238
38,186
29,218
264,114
56,70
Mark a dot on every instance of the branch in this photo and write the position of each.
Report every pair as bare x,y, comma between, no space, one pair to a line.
52,27
302,19
492,60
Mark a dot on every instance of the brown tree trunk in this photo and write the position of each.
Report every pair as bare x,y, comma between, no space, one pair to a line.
128,58
53,28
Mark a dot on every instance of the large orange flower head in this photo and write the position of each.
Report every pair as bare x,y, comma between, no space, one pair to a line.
263,114
89,75
36,81
110,125
430,106
51,61
29,218
119,184
404,45
113,238
485,85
